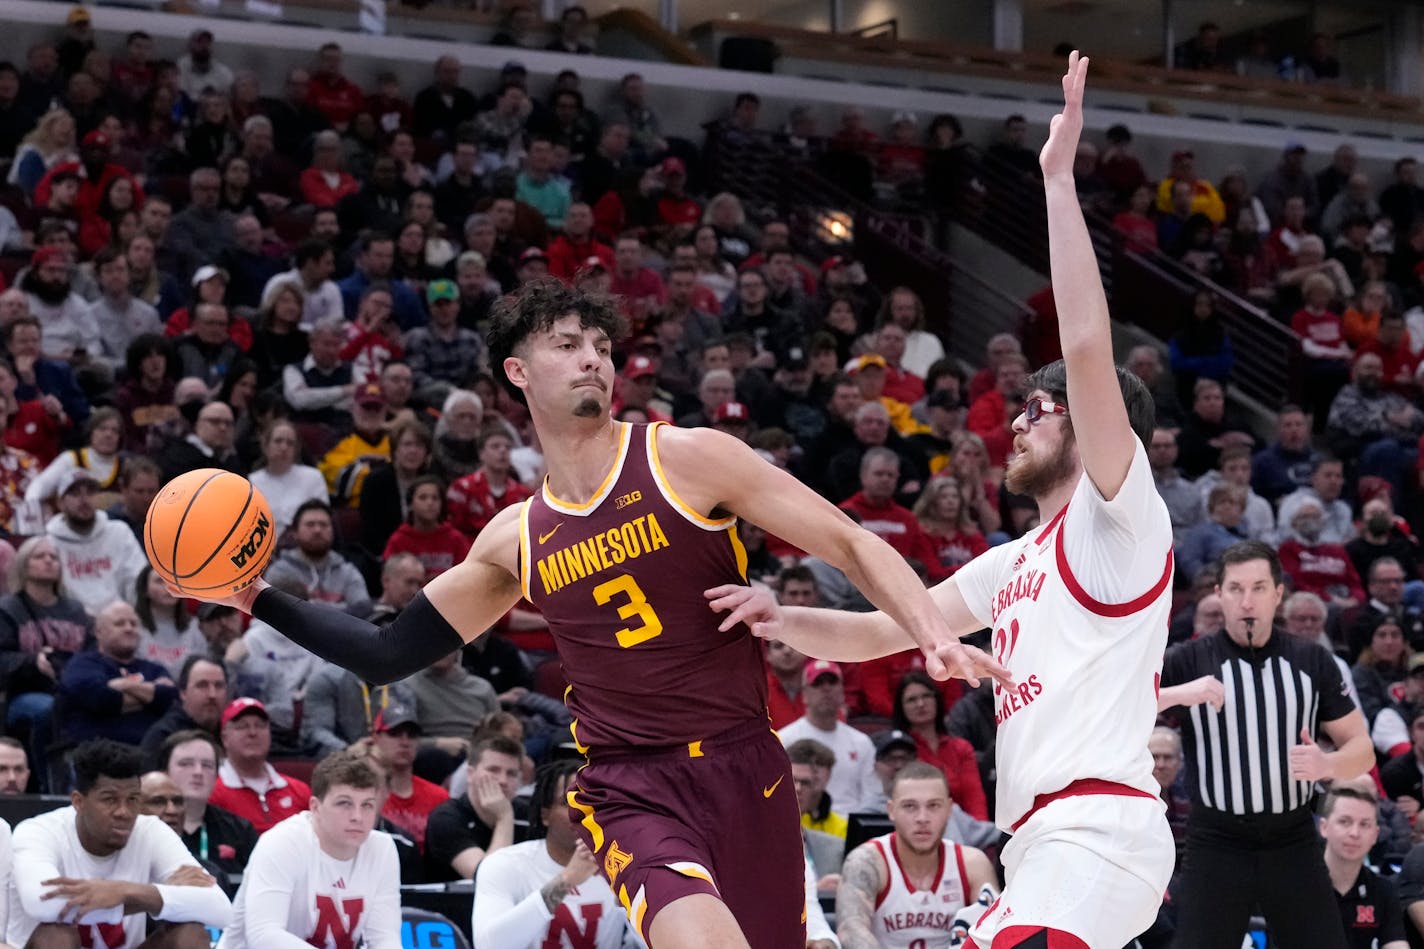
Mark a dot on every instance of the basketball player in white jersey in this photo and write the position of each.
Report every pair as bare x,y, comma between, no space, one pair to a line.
95,874
1078,609
904,890
324,877
546,891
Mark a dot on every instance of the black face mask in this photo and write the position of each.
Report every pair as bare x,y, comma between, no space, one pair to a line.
1368,386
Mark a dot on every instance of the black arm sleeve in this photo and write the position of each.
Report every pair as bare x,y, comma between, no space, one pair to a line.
379,655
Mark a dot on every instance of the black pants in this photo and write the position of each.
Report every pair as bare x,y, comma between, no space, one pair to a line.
1275,862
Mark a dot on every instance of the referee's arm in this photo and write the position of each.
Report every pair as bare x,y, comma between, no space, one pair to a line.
1354,753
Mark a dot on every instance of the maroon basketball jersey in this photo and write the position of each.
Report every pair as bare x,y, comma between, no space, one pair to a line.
620,580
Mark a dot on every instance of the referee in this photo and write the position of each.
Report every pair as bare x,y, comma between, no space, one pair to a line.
1256,698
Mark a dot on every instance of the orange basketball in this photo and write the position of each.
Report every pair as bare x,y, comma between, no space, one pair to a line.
209,532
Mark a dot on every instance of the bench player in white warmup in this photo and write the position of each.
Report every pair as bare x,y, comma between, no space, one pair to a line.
324,877
904,890
1078,609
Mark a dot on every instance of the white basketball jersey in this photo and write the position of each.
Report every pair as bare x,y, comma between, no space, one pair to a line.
1078,609
906,918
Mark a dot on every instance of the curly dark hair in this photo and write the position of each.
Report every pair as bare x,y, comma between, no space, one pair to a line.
102,758
534,308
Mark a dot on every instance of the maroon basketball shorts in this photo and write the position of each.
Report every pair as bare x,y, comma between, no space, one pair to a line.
718,816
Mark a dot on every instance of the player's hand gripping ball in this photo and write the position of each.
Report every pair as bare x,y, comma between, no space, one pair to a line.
209,533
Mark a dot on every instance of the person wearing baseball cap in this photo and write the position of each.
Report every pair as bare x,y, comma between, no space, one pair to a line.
396,735
853,783
533,264
733,418
248,785
442,350
638,389
1205,198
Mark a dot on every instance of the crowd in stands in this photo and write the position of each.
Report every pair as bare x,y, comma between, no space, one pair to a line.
294,284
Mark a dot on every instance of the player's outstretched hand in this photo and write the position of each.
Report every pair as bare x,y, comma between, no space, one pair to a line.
744,604
241,600
1062,145
957,660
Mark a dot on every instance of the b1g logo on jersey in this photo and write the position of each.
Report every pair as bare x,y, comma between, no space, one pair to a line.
632,497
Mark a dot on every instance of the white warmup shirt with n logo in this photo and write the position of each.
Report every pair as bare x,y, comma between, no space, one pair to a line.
294,894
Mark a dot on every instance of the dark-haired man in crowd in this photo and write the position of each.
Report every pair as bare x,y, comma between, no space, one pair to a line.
202,695
14,767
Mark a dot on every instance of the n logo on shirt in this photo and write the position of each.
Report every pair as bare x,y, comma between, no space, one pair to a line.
563,925
334,926
103,936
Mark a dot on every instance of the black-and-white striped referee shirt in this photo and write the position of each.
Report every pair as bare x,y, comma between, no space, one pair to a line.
1238,759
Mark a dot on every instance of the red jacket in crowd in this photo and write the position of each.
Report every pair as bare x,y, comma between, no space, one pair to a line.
879,678
1323,569
438,549
336,97
567,257
896,526
472,504
955,757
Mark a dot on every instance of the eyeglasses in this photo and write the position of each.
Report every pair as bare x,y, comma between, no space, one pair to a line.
1035,409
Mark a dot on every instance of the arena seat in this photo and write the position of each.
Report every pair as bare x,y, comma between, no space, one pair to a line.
299,768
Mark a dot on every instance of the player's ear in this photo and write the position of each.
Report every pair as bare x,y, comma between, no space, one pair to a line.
514,368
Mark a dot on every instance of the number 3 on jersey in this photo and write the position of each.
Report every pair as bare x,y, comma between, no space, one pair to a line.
637,605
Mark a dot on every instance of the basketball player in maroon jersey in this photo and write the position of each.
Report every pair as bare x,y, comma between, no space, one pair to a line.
685,801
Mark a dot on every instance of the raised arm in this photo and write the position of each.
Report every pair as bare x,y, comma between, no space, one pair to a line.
455,608
717,473
1100,423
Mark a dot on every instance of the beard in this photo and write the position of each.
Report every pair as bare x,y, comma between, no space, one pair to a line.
588,408
53,294
1035,478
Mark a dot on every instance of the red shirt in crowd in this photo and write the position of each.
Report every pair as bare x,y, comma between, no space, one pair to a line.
263,811
988,418
895,525
322,192
1400,364
1323,328
903,386
955,757
438,549
33,430
472,504
567,257
955,550
336,97
781,707
880,678
644,284
1323,569
412,813
675,211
